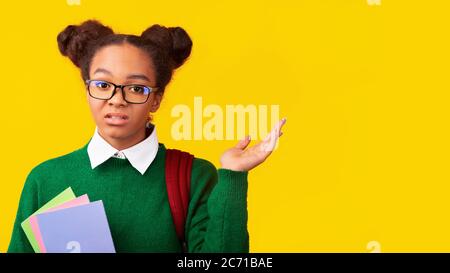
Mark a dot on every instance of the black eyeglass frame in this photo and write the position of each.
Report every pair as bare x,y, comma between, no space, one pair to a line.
152,89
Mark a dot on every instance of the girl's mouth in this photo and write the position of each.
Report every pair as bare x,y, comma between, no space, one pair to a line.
116,119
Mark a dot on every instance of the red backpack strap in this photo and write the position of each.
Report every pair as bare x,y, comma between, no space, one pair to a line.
178,181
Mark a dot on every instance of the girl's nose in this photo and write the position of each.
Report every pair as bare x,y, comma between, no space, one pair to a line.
118,98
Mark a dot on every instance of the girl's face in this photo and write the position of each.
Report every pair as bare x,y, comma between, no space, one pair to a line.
122,65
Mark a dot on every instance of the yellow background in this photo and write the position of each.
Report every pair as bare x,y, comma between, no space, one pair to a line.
365,89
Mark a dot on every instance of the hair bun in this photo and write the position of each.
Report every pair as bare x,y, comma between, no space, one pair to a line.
73,40
174,40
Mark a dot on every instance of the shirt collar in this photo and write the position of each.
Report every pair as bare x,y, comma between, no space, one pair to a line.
140,155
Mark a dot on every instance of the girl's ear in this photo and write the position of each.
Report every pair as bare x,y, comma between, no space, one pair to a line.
155,102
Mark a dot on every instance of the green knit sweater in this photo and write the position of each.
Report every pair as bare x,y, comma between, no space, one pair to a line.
137,205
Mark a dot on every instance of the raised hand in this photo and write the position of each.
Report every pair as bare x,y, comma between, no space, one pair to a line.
241,158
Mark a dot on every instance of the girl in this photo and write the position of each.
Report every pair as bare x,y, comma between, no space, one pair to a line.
123,163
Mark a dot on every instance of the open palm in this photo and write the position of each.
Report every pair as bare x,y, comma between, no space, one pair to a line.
241,158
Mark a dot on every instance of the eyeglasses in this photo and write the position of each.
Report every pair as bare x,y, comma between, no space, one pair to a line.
132,93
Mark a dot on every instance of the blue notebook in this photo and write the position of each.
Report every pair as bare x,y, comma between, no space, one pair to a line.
80,229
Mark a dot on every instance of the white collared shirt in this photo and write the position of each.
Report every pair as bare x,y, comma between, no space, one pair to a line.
140,155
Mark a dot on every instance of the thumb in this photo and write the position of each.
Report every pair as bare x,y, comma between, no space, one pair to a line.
242,144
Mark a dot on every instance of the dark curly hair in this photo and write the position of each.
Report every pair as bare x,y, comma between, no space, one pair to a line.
167,47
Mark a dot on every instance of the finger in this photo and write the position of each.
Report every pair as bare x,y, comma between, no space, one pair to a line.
269,142
273,139
266,139
278,125
274,135
242,144
281,124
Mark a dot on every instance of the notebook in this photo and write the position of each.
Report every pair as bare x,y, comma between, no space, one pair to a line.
82,200
79,229
61,198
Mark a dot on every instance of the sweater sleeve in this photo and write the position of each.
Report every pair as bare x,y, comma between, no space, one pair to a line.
27,205
217,215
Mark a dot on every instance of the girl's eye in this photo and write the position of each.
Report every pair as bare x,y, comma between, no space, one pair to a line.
136,89
102,85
